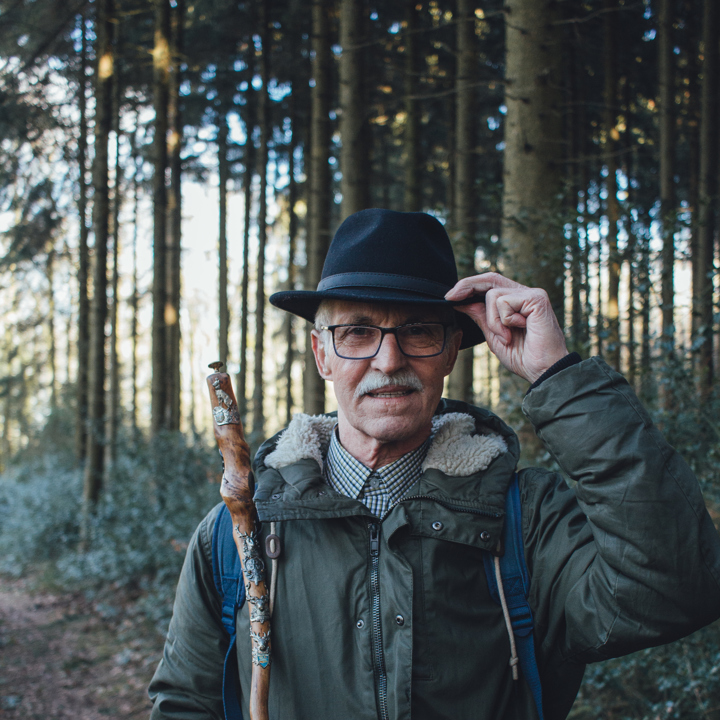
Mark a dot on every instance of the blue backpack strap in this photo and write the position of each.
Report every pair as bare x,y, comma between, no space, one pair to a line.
516,584
227,574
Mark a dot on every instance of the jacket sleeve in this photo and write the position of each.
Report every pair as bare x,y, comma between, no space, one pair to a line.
187,684
629,558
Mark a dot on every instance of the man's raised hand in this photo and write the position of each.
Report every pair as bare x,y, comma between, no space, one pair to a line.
519,323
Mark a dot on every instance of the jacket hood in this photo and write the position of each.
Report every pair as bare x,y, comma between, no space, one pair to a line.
470,461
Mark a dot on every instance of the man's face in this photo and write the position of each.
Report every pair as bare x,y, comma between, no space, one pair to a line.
398,413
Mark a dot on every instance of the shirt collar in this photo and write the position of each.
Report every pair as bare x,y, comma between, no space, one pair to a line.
348,475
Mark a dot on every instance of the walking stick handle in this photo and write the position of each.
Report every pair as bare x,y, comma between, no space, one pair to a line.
237,491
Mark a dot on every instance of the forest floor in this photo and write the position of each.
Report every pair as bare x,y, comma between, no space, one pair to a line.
63,656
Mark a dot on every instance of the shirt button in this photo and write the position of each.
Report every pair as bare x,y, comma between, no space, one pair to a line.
400,620
484,535
437,525
360,624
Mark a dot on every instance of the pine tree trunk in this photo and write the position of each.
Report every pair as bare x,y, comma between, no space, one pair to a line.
319,178
646,379
114,395
50,272
574,129
174,236
258,424
666,102
411,136
707,190
465,201
292,242
83,339
223,176
161,84
354,130
613,210
135,297
104,73
533,142
245,281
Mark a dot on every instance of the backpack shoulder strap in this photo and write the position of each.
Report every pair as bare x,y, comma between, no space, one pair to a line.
516,584
227,574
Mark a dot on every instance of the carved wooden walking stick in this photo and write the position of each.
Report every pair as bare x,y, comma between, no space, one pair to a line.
237,491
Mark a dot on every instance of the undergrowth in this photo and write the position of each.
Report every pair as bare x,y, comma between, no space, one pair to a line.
155,495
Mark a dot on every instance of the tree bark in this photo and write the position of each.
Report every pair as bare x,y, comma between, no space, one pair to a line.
463,224
223,177
161,85
83,341
611,135
319,177
258,424
242,397
114,395
666,102
707,190
354,130
135,297
50,273
411,136
292,242
533,149
104,73
174,236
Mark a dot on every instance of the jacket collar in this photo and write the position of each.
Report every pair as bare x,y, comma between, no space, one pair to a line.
469,464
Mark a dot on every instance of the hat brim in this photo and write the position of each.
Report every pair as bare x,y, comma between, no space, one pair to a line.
304,303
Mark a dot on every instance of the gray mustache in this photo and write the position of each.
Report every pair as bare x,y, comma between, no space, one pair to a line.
376,380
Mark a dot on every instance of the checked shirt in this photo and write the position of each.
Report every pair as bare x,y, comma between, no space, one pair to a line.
378,489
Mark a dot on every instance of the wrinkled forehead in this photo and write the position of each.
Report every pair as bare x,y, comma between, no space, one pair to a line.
337,312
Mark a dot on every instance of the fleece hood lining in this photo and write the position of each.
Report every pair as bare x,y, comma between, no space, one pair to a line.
456,448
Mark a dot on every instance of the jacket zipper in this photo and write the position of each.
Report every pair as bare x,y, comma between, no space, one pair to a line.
450,506
378,655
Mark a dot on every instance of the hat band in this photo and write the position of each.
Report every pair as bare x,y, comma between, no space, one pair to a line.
384,280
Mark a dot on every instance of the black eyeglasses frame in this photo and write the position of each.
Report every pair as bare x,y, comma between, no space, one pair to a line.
384,332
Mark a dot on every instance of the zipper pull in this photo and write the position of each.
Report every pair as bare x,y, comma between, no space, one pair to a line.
374,539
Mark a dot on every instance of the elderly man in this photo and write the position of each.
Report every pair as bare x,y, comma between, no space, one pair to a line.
388,511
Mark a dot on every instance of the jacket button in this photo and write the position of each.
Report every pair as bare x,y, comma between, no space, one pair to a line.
360,624
437,525
276,496
484,535
400,620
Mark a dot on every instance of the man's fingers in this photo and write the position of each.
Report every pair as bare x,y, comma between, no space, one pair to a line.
494,318
479,284
510,310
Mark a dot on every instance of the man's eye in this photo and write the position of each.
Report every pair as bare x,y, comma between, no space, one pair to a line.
359,331
417,330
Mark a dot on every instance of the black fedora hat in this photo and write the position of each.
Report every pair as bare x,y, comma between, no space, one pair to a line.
385,256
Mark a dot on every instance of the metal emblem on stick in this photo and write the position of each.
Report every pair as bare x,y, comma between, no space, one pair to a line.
229,414
260,611
261,648
253,564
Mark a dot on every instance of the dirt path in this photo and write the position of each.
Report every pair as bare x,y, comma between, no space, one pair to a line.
63,657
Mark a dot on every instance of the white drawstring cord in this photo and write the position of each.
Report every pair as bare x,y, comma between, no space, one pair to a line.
508,624
273,574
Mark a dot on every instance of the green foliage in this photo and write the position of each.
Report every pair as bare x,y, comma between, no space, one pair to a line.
136,536
680,680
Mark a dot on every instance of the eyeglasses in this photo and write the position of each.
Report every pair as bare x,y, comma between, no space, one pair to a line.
361,342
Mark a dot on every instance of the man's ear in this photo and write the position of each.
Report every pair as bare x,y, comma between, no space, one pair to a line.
319,351
453,348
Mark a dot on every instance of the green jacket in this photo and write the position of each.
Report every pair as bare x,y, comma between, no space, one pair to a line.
627,559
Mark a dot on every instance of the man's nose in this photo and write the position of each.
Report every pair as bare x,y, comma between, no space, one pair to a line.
389,357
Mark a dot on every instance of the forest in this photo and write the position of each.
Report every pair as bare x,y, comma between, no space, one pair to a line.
166,166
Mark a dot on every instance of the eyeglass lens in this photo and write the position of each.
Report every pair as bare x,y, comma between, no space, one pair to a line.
417,340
